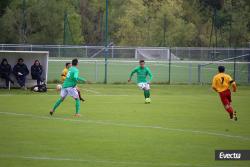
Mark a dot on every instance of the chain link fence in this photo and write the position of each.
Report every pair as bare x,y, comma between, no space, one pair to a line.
183,65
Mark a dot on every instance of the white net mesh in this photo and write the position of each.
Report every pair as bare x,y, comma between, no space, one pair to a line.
154,54
238,67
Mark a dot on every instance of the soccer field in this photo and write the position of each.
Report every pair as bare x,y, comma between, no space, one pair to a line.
183,126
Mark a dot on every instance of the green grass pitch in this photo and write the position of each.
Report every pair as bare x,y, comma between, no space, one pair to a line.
182,126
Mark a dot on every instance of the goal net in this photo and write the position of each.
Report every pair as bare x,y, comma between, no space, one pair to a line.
29,58
154,54
238,67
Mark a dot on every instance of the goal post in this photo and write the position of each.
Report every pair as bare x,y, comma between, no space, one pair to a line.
238,67
154,54
29,58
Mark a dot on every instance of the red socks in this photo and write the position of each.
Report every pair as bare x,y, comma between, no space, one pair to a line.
230,111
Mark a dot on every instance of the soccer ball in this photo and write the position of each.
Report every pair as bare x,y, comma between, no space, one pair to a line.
58,87
36,89
147,100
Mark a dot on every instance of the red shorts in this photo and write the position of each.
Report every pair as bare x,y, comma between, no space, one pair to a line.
225,97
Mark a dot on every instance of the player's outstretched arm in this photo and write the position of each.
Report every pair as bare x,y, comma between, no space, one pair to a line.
234,86
233,83
77,78
131,74
81,79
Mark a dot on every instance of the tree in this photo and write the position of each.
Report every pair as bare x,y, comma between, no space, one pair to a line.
131,22
43,22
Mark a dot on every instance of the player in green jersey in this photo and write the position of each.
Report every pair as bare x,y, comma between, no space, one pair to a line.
142,72
69,88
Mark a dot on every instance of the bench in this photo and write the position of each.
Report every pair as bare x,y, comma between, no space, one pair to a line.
29,82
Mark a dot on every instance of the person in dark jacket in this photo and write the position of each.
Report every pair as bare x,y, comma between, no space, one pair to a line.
36,72
5,71
21,71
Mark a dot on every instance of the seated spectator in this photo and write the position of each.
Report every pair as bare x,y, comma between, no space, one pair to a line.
36,72
21,71
5,71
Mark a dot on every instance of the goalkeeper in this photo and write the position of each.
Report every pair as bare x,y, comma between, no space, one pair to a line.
142,72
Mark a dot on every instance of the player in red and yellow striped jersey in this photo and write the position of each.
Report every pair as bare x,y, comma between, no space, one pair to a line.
221,84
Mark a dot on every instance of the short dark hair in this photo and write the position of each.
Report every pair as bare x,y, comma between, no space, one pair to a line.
67,64
20,59
141,61
4,60
221,69
74,62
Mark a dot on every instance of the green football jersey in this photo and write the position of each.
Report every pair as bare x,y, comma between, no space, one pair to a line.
142,74
72,78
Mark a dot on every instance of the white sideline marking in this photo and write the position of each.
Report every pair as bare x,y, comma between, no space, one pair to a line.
131,126
90,90
109,161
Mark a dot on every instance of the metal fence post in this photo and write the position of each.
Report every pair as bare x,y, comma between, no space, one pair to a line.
169,66
202,53
190,67
248,67
86,51
189,54
135,53
190,73
112,51
106,44
199,73
59,51
96,71
234,71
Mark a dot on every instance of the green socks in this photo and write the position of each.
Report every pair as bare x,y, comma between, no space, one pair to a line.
59,101
146,94
77,106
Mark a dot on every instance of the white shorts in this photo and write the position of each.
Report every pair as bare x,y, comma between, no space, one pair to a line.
143,86
69,92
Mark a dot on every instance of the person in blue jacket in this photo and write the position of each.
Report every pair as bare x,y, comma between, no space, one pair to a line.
21,71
